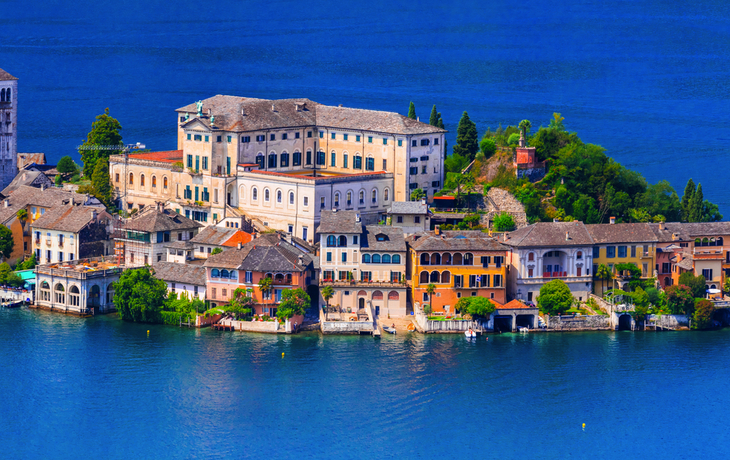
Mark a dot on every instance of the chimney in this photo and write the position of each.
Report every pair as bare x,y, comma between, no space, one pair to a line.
555,219
287,237
210,112
272,108
437,230
423,200
93,214
296,107
418,118
567,236
243,112
240,245
357,217
301,259
506,236
662,226
7,203
339,105
43,187
675,236
612,220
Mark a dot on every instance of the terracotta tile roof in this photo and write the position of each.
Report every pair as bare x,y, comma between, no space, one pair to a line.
221,236
514,305
4,76
168,156
543,234
469,240
621,233
239,237
30,158
233,113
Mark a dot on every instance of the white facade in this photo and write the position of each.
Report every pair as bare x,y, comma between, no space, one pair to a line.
190,291
8,129
76,290
533,267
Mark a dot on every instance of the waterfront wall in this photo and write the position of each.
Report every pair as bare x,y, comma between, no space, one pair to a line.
670,321
201,321
427,326
271,327
579,323
346,327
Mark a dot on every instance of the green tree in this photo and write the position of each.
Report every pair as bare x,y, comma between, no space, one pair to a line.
557,122
328,292
430,290
6,241
265,287
504,222
487,146
433,120
696,205
513,139
294,302
480,307
139,296
100,182
710,212
604,274
412,111
216,251
525,126
455,163
241,303
555,298
104,131
702,317
66,165
28,263
58,180
726,285
466,138
680,300
689,191
472,219
697,284
418,194
641,304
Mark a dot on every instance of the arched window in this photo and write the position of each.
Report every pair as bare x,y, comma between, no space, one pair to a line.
386,194
468,259
224,273
45,291
423,279
376,258
284,160
374,194
457,259
9,95
272,160
2,95
425,259
366,258
579,255
377,295
131,178
531,257
279,278
393,295
291,197
446,277
386,258
349,198
342,241
435,277
141,180
215,273
254,194
719,241
278,196
266,195
241,193
154,181
331,241
446,259
60,293
164,183
396,259
233,275
357,161
436,259
362,197
337,199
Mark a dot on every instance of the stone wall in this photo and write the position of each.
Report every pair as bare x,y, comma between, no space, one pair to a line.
346,327
669,321
579,323
427,326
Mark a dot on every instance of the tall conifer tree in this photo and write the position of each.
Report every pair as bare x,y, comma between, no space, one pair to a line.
467,144
434,118
689,190
695,205
100,181
412,111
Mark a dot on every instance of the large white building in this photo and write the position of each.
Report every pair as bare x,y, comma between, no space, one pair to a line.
8,128
280,163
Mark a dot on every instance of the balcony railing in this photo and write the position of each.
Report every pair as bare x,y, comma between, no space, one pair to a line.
346,283
555,274
48,243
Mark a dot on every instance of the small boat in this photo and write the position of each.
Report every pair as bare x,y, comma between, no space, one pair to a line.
523,329
470,334
389,330
14,304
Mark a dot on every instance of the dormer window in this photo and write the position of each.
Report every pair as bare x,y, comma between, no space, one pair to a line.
381,237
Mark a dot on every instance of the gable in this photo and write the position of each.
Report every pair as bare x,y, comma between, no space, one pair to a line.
195,124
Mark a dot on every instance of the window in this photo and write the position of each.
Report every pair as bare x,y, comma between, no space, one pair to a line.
579,255
370,139
245,139
297,159
374,197
272,160
278,196
357,162
333,159
362,197
320,158
622,251
296,135
354,239
255,194
321,134
413,160
349,198
284,136
309,157
414,143
189,136
291,200
417,219
337,199
329,257
266,195
400,142
272,137
424,170
706,272
385,141
386,194
260,138
344,137
414,170
309,133
435,141
436,184
333,136
284,160
366,258
306,201
344,160
610,252
164,183
198,137
331,241
116,179
633,251
219,138
424,158
596,252
370,164
399,219
207,138
424,142
205,163
385,164
321,203
131,178
344,257
357,138
249,277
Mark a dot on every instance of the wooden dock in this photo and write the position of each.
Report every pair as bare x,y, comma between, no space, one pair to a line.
223,327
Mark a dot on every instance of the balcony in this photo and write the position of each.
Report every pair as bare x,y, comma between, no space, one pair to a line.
60,244
355,283
555,274
48,243
37,241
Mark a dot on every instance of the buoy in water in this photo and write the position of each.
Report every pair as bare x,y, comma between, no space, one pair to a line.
584,427
282,354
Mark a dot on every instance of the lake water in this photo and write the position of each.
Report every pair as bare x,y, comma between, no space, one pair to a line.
646,79
101,388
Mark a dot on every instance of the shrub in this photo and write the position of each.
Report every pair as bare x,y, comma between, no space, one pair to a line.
702,318
555,297
504,222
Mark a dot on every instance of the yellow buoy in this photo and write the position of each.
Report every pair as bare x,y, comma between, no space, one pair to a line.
282,354
584,427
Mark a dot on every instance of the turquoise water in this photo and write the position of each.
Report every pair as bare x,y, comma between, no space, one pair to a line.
101,388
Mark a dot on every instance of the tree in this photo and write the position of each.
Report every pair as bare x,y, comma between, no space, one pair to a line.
265,287
480,307
525,126
418,194
466,138
680,300
433,120
100,182
689,191
328,292
513,139
58,180
66,165
241,303
412,111
216,251
431,290
504,222
104,131
557,122
696,205
139,296
6,241
487,146
22,214
555,298
726,285
293,303
702,317
465,180
603,273
697,284
28,264
472,220
641,304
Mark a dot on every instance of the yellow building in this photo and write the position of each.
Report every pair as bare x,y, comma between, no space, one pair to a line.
619,244
458,264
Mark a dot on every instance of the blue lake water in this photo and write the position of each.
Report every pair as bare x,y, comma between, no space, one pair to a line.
101,388
646,79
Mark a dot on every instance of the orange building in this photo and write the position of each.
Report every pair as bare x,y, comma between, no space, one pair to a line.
457,263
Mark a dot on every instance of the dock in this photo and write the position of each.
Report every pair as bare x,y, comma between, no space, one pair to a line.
223,327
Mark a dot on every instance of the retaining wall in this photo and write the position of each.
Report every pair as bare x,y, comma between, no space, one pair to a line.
444,327
579,323
346,327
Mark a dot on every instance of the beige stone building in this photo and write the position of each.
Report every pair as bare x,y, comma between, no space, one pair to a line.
70,232
280,163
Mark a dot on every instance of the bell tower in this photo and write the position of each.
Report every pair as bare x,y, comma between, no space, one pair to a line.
8,128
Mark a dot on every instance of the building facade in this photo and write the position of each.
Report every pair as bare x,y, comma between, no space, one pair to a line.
8,128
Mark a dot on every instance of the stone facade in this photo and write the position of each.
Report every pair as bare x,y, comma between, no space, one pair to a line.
498,201
8,128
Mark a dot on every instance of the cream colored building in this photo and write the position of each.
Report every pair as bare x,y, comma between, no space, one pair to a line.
71,232
308,157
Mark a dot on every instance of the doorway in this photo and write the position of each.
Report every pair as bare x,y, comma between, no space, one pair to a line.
503,323
624,322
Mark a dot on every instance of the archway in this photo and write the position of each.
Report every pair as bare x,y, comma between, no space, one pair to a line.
624,322
94,301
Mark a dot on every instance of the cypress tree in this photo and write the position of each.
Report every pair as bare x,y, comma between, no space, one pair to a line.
467,144
100,181
689,190
695,205
412,111
434,119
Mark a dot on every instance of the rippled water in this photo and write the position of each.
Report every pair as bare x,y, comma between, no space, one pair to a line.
647,79
101,388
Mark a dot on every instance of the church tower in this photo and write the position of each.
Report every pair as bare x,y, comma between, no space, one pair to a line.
8,128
